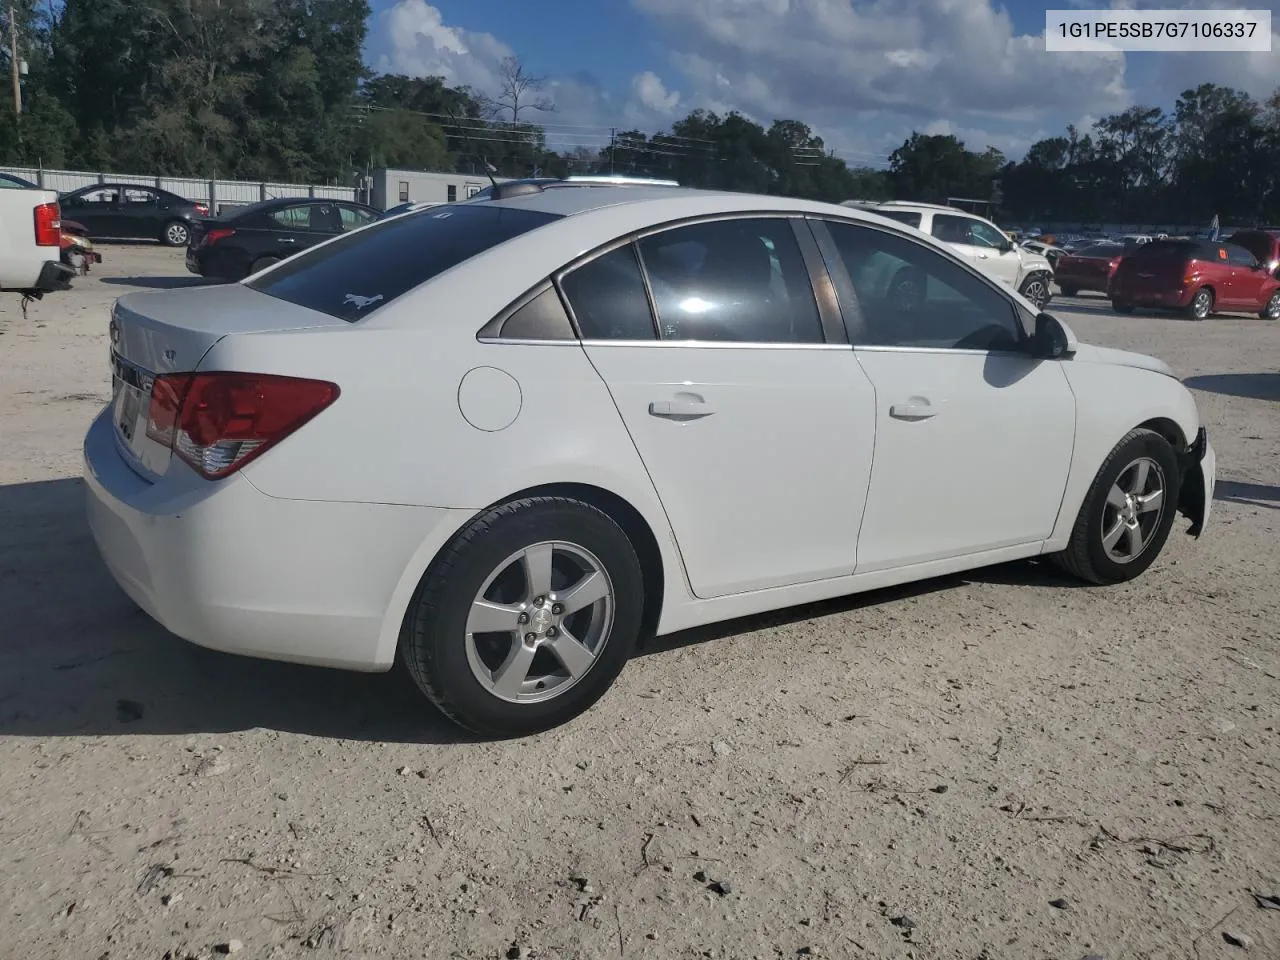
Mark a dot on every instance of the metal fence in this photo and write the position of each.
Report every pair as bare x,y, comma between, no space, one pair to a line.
218,194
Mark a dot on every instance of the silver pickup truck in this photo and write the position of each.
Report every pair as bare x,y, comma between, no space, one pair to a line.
30,243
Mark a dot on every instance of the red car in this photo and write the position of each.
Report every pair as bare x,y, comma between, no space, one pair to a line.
1195,277
1089,268
1263,244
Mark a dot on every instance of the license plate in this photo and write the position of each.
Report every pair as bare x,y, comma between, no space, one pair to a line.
128,406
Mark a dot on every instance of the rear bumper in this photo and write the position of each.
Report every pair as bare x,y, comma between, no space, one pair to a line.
54,276
225,566
1177,299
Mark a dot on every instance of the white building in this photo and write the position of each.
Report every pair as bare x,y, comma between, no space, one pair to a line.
393,187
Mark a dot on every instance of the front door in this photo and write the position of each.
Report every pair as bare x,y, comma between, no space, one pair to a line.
973,436
1247,280
139,214
756,432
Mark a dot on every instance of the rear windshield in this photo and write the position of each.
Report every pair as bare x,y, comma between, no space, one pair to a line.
902,216
359,273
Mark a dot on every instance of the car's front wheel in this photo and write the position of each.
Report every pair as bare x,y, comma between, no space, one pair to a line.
1036,289
1128,512
1272,310
526,618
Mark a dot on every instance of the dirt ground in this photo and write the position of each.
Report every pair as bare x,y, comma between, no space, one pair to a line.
1003,765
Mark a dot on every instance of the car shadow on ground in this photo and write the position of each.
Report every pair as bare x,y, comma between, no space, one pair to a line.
157,283
1254,386
1248,494
77,658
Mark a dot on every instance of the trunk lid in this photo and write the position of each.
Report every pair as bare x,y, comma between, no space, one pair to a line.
170,331
199,227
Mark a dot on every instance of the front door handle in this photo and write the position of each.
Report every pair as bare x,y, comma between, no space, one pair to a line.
984,256
288,240
682,409
912,410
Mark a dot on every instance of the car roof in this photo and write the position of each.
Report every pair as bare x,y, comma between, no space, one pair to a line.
568,203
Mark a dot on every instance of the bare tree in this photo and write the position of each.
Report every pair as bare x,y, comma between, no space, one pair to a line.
519,90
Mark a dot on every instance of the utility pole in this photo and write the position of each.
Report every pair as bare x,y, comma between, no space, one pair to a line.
613,146
13,62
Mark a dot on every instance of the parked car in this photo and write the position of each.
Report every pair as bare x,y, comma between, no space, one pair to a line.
252,238
1263,244
126,211
455,437
10,181
979,241
1051,252
1089,268
31,243
1196,277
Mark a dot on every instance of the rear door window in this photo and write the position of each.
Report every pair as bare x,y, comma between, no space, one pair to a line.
361,272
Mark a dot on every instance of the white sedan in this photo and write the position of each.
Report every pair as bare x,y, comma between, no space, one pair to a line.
503,440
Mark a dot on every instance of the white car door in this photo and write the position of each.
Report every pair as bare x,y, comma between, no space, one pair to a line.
973,435
756,431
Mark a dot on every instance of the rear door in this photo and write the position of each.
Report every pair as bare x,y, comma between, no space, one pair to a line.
290,229
139,213
1247,278
751,416
96,209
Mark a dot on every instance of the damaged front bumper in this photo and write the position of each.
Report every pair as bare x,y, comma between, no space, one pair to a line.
1198,465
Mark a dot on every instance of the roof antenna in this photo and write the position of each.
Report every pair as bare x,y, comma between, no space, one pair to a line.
490,169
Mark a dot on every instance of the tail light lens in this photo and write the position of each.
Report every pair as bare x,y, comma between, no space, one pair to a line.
201,209
48,225
216,234
218,422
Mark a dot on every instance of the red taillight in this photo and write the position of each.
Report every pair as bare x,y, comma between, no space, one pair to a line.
218,422
201,209
48,225
218,233
1112,264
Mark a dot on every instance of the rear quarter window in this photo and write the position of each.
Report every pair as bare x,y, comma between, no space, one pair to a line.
359,273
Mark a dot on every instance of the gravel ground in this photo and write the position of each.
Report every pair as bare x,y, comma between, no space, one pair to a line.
1003,765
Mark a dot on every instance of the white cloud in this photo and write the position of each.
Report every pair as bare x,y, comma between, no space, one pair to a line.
421,44
651,92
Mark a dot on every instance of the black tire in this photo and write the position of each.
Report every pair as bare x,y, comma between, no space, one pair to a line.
1119,306
262,263
1069,291
176,233
1086,556
1201,305
1036,289
433,642
1272,310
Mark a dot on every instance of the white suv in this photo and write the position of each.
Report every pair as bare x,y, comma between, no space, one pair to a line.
977,240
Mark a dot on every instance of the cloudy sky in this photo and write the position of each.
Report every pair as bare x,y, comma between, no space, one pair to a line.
862,73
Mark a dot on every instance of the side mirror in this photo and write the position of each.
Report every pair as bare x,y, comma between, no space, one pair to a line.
1006,246
1049,342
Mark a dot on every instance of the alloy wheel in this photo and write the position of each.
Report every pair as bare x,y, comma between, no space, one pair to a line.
1273,307
1201,304
177,234
1134,507
539,622
1036,292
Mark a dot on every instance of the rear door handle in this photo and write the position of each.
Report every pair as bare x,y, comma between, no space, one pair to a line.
288,240
688,409
912,410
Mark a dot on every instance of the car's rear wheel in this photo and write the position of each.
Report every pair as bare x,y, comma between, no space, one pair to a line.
1272,310
1120,306
1128,512
1201,304
176,234
526,618
262,263
1069,291
1036,289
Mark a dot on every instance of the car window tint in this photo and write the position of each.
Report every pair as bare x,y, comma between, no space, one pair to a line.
542,318
985,235
950,229
292,218
361,272
1239,257
353,218
133,195
608,299
741,280
911,296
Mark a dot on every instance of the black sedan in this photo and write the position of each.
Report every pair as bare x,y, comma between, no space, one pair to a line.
252,238
125,211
